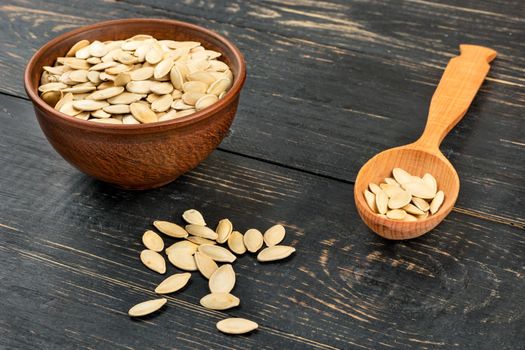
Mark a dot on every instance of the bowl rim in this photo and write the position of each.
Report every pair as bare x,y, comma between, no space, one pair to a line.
238,81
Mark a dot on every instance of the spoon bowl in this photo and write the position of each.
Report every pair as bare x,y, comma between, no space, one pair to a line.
461,80
417,162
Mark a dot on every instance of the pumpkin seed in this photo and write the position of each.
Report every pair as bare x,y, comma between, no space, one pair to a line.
421,203
399,200
419,189
182,247
382,202
219,86
106,121
125,98
430,182
274,235
276,252
170,229
163,68
173,283
161,88
147,307
117,109
437,202
139,87
168,116
106,93
236,326
205,264
396,214
201,231
412,209
194,217
391,190
205,101
375,189
370,199
222,280
73,50
142,113
195,86
143,73
89,105
183,261
224,230
401,176
236,243
199,240
217,253
162,103
152,259
51,97
129,119
122,79
99,113
220,301
152,241
253,240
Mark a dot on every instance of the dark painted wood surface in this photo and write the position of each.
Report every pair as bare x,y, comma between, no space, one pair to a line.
329,84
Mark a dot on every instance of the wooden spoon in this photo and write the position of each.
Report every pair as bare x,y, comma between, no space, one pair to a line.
463,76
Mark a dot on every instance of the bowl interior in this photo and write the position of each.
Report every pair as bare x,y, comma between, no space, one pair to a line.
125,28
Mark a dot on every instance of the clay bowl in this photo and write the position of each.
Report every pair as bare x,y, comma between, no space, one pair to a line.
137,156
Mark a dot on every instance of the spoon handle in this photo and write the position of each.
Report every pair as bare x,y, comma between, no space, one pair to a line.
459,84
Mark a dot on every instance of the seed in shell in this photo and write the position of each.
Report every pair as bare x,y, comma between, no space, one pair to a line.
182,247
217,253
382,202
170,229
224,230
199,240
184,262
421,203
401,176
370,199
236,243
274,235
399,200
222,280
173,283
220,301
152,241
253,240
153,260
201,231
274,253
236,325
205,264
193,217
396,214
147,307
437,202
419,189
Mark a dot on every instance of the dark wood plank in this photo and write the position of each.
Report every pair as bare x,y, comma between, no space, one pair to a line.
69,247
348,96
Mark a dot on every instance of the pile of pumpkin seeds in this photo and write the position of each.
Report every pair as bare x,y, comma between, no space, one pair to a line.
134,81
405,197
200,249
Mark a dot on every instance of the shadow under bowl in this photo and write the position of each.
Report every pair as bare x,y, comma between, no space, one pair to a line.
140,156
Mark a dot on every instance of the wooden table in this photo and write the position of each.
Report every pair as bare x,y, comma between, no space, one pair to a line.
329,84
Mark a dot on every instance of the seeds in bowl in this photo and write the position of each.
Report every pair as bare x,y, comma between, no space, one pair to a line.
138,80
405,197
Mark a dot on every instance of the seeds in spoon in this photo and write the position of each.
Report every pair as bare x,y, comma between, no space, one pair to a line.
399,200
153,261
274,235
236,326
396,214
401,176
430,182
147,307
437,202
173,283
153,241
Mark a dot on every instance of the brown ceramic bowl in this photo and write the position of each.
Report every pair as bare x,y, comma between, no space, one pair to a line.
137,156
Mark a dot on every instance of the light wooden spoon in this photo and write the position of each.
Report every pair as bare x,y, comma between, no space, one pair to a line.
459,84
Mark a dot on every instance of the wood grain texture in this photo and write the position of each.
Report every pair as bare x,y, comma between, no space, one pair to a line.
323,115
69,249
